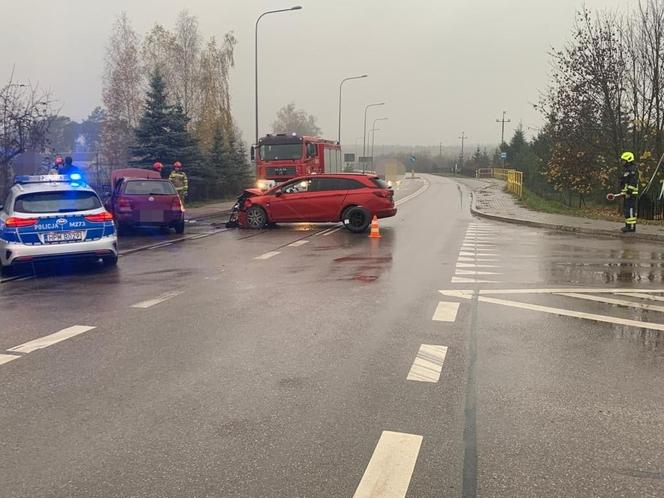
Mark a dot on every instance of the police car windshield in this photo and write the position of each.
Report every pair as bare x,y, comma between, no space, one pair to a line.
56,202
149,187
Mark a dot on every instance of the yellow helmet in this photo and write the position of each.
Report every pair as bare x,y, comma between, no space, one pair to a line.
627,157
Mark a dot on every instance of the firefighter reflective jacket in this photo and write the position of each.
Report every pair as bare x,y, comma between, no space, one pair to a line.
180,182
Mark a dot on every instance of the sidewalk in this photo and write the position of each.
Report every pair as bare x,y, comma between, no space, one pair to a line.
492,202
209,210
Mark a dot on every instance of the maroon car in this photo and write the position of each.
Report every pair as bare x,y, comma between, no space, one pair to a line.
353,199
141,198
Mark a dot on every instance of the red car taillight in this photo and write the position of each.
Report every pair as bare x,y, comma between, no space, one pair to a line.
99,218
176,205
385,194
15,222
123,205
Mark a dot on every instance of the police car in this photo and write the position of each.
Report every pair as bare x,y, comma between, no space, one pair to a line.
52,217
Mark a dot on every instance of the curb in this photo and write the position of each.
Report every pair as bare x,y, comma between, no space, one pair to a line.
565,228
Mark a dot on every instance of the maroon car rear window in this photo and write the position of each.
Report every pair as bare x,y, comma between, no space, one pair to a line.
149,187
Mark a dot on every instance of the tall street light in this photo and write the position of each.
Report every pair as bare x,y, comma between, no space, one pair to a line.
297,7
364,141
340,86
373,138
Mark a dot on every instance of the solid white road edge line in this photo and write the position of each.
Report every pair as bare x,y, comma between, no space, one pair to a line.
446,312
640,296
428,364
6,358
49,340
419,192
267,255
464,280
473,272
159,299
391,466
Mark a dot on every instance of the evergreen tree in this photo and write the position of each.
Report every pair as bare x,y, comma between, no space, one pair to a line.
218,162
162,133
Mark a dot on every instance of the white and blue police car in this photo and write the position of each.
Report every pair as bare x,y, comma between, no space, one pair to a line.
53,217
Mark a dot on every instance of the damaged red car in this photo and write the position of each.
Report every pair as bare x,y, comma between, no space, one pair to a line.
353,199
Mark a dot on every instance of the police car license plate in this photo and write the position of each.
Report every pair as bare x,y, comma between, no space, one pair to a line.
64,236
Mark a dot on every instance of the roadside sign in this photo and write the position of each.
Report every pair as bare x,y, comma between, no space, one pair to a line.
413,159
349,158
503,155
365,159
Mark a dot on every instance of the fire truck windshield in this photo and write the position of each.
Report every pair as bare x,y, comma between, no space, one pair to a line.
280,152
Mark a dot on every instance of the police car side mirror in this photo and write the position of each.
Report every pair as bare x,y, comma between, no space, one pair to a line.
2,206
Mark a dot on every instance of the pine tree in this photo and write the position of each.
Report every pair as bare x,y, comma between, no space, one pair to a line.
238,169
162,136
218,161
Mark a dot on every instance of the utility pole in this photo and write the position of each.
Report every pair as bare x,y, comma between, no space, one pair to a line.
502,122
463,138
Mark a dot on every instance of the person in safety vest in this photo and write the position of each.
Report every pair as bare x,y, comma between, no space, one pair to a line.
179,180
629,189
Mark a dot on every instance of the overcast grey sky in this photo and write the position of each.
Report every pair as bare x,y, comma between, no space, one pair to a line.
442,66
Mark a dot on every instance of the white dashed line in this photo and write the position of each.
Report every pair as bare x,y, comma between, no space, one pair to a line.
391,466
332,231
6,358
474,272
428,364
467,259
157,300
298,243
49,340
268,255
446,312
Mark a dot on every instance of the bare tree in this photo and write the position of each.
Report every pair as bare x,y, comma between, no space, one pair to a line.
25,112
187,49
158,53
292,120
122,91
213,88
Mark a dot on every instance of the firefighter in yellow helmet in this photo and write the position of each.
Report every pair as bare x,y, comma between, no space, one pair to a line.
629,189
179,180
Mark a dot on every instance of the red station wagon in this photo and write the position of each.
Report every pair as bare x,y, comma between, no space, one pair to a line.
350,198
142,198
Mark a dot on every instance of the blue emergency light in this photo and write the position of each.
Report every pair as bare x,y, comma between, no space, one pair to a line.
74,177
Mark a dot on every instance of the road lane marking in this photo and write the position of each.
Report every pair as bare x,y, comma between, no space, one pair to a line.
298,243
640,296
6,358
268,255
602,290
332,231
573,314
391,466
617,302
473,265
464,280
466,259
157,300
466,253
446,312
49,340
428,364
473,272
419,192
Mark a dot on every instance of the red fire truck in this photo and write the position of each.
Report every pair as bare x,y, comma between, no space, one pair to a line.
282,157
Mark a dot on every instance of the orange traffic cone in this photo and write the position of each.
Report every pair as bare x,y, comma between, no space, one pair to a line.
375,230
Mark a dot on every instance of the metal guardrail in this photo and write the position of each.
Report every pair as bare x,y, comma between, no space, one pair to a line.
513,178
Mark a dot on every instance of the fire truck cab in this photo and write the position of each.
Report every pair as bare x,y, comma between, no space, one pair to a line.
282,157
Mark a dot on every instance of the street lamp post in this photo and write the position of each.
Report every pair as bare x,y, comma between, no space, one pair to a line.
297,7
340,87
364,140
373,138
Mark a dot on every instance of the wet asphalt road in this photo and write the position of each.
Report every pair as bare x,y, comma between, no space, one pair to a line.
269,363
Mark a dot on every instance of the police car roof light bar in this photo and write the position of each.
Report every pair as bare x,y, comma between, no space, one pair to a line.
47,178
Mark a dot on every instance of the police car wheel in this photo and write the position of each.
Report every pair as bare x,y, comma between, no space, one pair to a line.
256,217
6,270
110,260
